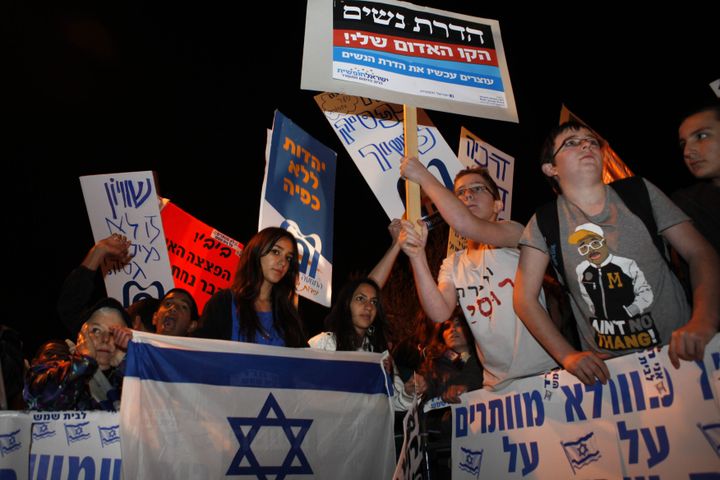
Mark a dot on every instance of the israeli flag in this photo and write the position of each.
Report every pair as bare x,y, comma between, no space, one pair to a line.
15,433
9,442
76,432
582,451
197,408
109,435
471,461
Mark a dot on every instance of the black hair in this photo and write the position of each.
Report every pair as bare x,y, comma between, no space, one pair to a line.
109,302
437,345
548,152
145,308
248,280
701,107
442,363
339,320
194,314
483,172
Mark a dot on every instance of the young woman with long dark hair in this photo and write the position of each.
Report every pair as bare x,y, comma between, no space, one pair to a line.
259,306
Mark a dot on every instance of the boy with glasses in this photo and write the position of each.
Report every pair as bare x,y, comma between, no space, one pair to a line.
572,158
479,278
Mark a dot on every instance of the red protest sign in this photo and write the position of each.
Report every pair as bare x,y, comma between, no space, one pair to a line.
203,259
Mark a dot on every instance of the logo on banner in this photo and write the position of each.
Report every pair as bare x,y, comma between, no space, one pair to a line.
295,431
42,430
582,451
109,435
133,291
712,435
471,461
310,247
76,432
9,443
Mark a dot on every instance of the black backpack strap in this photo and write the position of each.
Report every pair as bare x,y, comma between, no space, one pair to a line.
549,225
634,194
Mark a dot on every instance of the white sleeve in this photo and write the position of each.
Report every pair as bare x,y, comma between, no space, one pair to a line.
401,401
323,341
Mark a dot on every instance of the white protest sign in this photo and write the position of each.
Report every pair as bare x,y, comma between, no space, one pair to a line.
372,133
73,445
15,429
402,53
649,421
127,204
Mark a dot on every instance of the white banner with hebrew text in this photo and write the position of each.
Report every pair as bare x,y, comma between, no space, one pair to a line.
372,133
74,445
15,428
649,421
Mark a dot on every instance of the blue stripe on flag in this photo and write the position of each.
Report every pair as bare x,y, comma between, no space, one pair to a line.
147,362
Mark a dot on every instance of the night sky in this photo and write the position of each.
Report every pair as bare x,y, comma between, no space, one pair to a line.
188,91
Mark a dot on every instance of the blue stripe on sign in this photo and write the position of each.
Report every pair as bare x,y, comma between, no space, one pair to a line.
147,362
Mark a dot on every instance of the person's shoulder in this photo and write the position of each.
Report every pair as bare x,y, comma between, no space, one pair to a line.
697,188
323,341
218,306
455,258
450,257
221,295
652,189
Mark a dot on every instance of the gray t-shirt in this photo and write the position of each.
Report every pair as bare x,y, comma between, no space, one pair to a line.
623,294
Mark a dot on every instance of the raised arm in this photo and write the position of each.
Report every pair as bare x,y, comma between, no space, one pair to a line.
382,270
586,366
438,301
115,247
77,291
688,342
456,214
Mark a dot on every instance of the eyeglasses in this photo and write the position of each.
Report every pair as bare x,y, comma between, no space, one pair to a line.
575,142
473,189
363,300
99,333
595,245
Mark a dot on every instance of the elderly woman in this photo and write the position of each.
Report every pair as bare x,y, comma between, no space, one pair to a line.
86,375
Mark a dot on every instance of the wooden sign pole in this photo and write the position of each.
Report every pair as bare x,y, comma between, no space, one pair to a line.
412,189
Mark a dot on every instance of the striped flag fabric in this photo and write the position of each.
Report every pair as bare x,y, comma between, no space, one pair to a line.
198,408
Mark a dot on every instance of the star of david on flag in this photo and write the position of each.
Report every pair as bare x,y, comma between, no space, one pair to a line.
263,420
76,432
9,442
471,461
109,435
197,408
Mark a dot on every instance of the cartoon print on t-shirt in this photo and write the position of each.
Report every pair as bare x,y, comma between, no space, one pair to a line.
615,291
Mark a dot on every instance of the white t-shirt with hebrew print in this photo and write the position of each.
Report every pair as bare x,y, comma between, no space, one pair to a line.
505,347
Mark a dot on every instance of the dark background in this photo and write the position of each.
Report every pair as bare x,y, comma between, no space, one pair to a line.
189,90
